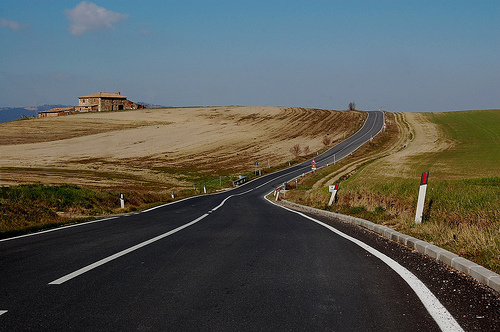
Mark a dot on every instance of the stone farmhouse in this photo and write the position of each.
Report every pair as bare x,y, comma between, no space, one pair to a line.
97,102
105,101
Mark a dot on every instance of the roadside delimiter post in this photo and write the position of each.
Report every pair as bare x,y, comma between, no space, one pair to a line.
333,190
421,197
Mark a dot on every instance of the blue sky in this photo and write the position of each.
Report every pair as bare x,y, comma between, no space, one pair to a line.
397,55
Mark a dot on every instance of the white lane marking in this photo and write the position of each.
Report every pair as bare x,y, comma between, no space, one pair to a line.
121,253
58,228
3,312
442,316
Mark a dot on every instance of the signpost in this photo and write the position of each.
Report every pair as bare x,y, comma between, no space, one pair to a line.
333,190
421,197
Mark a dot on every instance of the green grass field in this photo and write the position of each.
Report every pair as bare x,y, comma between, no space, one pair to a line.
477,153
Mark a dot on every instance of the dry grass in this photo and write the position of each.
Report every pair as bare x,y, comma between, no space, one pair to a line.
161,149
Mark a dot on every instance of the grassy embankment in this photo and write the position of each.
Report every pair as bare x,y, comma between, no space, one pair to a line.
33,207
462,210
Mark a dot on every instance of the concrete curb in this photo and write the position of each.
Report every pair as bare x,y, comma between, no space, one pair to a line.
461,264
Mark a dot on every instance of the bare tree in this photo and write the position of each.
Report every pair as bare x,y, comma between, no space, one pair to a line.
296,150
326,141
352,106
307,150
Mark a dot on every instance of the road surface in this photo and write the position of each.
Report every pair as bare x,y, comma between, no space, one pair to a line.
231,261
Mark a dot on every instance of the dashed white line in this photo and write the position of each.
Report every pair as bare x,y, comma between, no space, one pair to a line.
138,246
3,312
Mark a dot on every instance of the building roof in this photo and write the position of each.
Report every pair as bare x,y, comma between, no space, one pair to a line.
114,95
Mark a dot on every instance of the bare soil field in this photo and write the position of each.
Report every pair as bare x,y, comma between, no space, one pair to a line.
157,148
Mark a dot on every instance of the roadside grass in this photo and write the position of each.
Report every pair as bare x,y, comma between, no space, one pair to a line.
462,216
462,210
28,208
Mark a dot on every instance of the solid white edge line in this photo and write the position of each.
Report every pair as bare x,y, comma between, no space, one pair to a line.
121,253
439,313
58,229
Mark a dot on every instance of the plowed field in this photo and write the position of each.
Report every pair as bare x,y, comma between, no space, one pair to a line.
157,148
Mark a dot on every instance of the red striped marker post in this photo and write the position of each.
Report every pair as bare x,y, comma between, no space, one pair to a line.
333,190
421,197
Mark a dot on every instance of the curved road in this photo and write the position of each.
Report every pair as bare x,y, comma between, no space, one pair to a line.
225,262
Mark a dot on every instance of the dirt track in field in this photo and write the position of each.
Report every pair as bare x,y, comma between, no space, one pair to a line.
418,136
147,147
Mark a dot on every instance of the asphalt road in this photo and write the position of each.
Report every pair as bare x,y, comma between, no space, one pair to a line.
224,262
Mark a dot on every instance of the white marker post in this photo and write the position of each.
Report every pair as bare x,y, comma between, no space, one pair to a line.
172,193
421,197
333,190
122,201
204,189
277,193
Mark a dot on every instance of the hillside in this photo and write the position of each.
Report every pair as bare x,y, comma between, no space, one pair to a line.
162,149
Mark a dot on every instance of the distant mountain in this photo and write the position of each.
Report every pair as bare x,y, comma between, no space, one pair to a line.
14,113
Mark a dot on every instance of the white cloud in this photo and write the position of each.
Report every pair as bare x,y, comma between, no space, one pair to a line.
87,16
10,24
